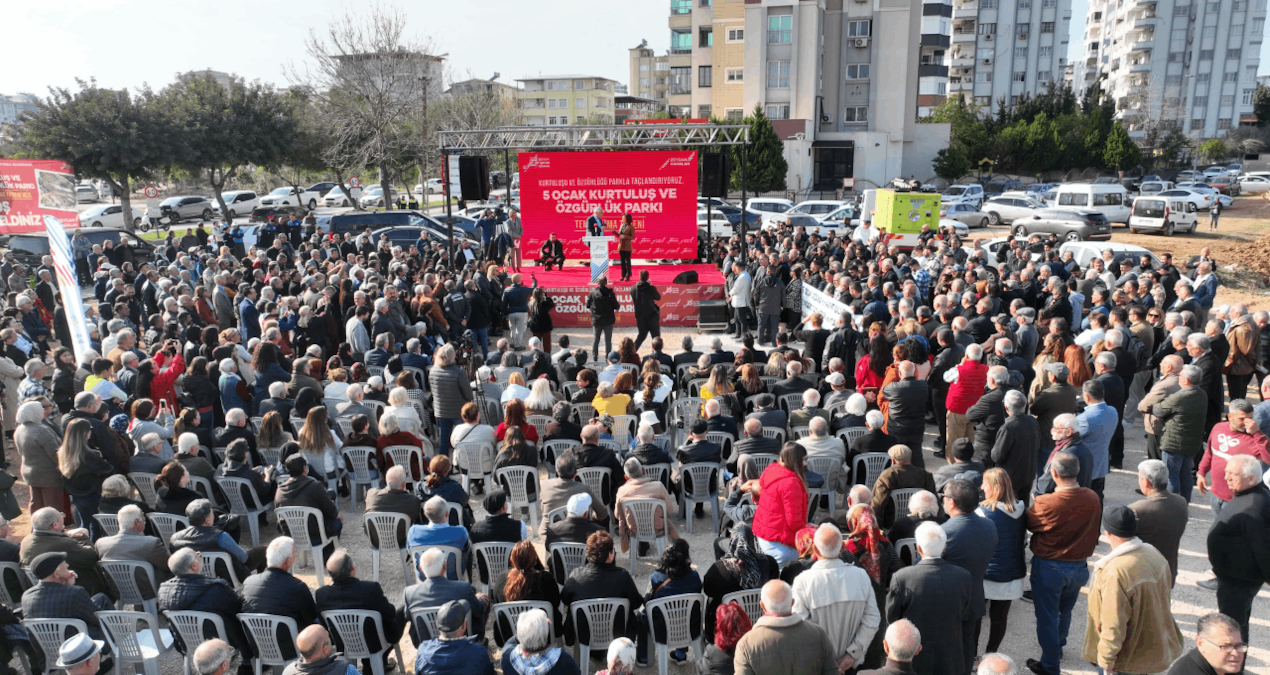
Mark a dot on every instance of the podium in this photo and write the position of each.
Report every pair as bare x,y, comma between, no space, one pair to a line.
599,255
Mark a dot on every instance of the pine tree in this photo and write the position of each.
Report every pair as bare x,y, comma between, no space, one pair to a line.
1121,152
765,167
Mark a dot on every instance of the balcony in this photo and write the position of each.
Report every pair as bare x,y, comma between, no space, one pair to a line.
925,70
532,104
965,10
1140,67
960,61
1144,22
1143,43
960,85
963,37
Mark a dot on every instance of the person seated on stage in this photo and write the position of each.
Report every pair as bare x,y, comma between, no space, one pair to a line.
552,253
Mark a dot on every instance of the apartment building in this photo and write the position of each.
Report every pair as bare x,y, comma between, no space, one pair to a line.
11,106
566,99
1002,49
478,86
628,107
1186,64
650,73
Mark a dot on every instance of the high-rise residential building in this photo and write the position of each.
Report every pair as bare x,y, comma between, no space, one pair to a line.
221,78
1002,49
1184,64
566,99
478,86
11,106
706,58
650,74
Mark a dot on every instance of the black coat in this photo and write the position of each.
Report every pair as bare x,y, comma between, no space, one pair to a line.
479,316
353,593
645,296
603,305
906,407
274,591
601,580
1015,451
1238,545
199,593
935,595
988,414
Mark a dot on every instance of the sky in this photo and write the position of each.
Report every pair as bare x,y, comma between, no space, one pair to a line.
127,43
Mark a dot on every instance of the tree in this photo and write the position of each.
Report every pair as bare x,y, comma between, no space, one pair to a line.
1121,152
371,78
952,163
1213,150
1261,105
1040,149
107,134
765,167
226,128
1172,147
476,110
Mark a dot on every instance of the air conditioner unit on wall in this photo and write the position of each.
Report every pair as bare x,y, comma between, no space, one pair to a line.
987,38
861,42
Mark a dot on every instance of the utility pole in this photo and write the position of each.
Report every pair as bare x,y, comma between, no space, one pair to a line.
423,159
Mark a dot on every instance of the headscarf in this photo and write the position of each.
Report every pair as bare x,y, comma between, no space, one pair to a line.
805,541
357,373
865,540
534,664
119,423
744,559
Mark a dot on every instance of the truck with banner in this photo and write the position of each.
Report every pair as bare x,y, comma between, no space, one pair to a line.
899,216
31,189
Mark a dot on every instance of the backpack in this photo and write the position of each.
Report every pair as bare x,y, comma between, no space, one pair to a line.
1139,351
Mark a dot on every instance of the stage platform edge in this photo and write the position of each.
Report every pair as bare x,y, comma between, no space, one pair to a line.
680,303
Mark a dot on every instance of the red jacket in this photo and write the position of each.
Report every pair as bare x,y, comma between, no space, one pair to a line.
782,505
1224,443
966,391
163,384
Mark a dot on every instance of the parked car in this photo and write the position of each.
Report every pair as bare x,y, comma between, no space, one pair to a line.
959,228
86,193
1205,188
29,248
997,187
239,202
1106,180
360,221
1153,187
1215,170
1234,169
815,207
1068,224
991,248
287,196
1225,184
1202,200
433,186
107,215
841,220
261,213
1188,175
1111,200
763,206
963,194
1249,184
719,225
796,220
335,198
1005,209
969,214
1084,251
1039,188
1164,215
176,209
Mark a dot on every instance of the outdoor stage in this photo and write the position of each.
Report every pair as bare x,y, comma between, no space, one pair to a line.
679,302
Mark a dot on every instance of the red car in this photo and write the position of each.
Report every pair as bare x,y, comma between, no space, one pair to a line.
1226,185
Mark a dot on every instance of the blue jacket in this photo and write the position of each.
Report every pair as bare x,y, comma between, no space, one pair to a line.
1045,482
517,299
229,397
1007,560
33,324
260,392
971,542
440,535
1098,425
248,320
453,657
1206,291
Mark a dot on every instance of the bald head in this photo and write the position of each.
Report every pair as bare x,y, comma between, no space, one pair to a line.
313,643
903,641
753,427
1171,364
859,494
777,598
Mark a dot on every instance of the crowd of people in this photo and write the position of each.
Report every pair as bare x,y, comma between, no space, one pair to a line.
303,368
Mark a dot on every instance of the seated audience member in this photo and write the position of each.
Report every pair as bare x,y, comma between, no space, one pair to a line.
204,534
600,577
439,484
962,466
394,498
901,474
451,652
56,595
302,490
923,506
437,531
191,590
559,491
49,535
436,588
498,525
640,486
236,466
131,543
276,591
346,591
530,651
524,580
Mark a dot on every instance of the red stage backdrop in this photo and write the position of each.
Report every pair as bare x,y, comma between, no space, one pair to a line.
34,188
559,190
680,305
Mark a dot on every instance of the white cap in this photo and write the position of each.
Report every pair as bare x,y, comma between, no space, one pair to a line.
579,504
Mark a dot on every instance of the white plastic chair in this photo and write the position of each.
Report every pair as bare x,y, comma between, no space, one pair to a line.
558,514
760,462
828,468
676,612
624,428
358,457
595,477
386,525
297,519
749,601
644,513
551,450
345,424
850,434
124,575
775,433
539,423
514,479
799,433
136,638
204,487
869,467
564,557
658,472
583,412
145,484
511,611
900,499
705,477
453,561
348,626
167,524
263,630
470,457
611,444
406,457
190,625
241,507
270,456
50,634
489,559
789,402
722,439
694,386
600,616
12,570
906,550
214,562
109,523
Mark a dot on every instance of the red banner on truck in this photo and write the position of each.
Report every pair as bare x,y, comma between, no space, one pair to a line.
33,188
560,190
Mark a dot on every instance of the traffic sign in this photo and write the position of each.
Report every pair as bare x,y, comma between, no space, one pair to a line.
848,182
354,182
151,192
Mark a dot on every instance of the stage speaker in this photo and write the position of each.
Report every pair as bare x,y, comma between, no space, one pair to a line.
688,277
713,315
474,177
714,174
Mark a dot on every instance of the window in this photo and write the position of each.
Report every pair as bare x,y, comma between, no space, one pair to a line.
1213,7
1175,57
1205,55
1179,33
705,76
661,66
983,76
734,74
1023,4
1209,31
1233,53
1043,76
778,111
779,28
855,114
1258,25
987,4
1046,52
1181,10
1049,4
1108,199
643,67
579,85
579,102
703,111
858,28
736,35
580,119
1247,98
704,3
1020,52
735,114
1023,29
858,71
601,103
1250,73
1047,26
1073,199
1236,30
1223,124
1201,78
1201,101
1020,77
680,42
941,88
1172,102
986,53
680,7
643,81
1228,99
987,29
557,85
705,37
1259,5
778,74
1230,77
681,80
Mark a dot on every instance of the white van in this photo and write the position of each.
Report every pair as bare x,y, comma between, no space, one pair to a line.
1112,201
1163,214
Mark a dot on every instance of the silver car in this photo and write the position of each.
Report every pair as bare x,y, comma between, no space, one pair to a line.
965,213
1006,209
176,209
